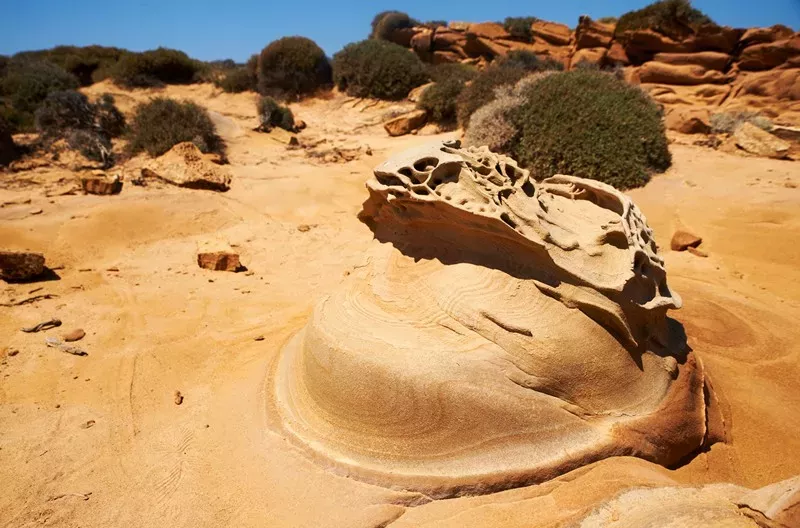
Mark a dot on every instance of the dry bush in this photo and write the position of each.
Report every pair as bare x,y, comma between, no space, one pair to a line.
162,123
26,84
379,69
155,68
271,114
8,150
451,70
482,90
440,102
520,27
387,22
237,80
292,67
674,18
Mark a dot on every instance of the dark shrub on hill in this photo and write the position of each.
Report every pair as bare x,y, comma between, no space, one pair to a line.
3,65
240,79
108,116
88,64
590,124
520,27
528,61
271,115
440,101
62,111
292,67
451,70
674,18
162,123
431,24
155,68
482,90
386,22
26,84
376,68
8,151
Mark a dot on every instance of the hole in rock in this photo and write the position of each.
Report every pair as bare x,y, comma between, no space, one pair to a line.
426,164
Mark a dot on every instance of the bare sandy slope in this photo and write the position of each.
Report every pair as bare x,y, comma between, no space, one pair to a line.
161,324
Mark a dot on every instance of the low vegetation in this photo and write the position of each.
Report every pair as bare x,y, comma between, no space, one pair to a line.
440,102
292,67
528,61
25,85
729,122
520,27
237,80
162,123
8,150
271,115
590,124
674,18
89,64
451,70
387,22
379,69
155,68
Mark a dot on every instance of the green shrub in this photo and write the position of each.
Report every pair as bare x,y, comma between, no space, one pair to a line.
376,68
240,79
674,18
8,151
92,145
155,68
520,27
440,101
387,22
26,84
88,63
528,61
451,70
292,67
271,115
590,124
728,122
162,123
62,111
482,90
3,65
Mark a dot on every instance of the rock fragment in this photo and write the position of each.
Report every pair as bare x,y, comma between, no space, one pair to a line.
178,398
46,325
218,256
185,166
756,141
406,123
101,184
74,335
20,265
683,240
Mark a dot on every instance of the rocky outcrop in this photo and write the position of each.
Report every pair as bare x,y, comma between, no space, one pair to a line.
185,166
20,265
496,320
406,123
752,139
688,120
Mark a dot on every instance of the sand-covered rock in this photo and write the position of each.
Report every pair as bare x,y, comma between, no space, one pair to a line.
185,166
406,123
501,332
760,142
20,265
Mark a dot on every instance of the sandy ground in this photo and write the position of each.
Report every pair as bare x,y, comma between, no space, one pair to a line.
99,440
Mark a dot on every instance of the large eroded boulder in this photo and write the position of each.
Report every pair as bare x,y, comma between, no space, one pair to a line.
185,166
501,331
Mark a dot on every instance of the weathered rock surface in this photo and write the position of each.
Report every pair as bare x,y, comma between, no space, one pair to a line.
417,92
20,265
688,120
710,60
686,74
185,166
502,331
760,142
683,240
591,34
218,256
101,184
406,123
552,32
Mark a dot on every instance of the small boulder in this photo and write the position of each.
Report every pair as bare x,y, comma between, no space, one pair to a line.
406,123
489,30
20,265
218,256
185,166
552,32
763,35
101,184
74,335
415,94
769,55
616,54
588,56
756,141
688,120
591,34
683,240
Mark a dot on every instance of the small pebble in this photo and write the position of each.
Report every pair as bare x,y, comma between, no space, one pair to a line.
13,352
178,398
88,424
304,228
259,338
75,335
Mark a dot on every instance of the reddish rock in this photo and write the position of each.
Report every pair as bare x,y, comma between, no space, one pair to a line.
403,36
769,55
446,40
422,42
710,60
642,44
416,93
688,74
588,55
445,57
20,265
101,185
764,35
711,37
556,34
688,120
488,30
616,54
683,240
591,34
219,261
481,47
406,123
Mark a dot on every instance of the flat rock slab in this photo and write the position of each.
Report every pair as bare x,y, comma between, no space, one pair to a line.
20,265
683,240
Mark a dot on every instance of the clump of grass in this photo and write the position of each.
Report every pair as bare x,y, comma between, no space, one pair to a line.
162,123
271,115
377,68
451,70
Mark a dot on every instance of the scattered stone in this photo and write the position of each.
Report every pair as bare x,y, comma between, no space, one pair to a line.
790,185
299,124
88,424
74,335
283,137
114,268
12,352
21,201
304,228
34,212
787,133
696,252
756,141
57,343
46,325
20,265
259,338
185,166
101,184
218,256
368,151
683,240
178,397
404,124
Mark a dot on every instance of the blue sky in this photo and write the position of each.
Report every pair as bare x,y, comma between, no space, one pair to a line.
215,29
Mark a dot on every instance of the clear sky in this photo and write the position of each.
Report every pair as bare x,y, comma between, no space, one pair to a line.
219,29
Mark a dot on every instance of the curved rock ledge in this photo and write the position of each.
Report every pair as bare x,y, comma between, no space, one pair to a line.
502,333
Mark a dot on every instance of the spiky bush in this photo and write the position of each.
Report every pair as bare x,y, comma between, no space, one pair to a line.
26,84
376,68
674,18
387,22
271,115
528,61
520,27
155,68
451,70
162,123
482,90
292,67
590,124
440,102
729,122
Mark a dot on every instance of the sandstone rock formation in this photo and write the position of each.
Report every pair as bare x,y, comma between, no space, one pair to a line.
20,265
184,165
406,123
760,142
501,332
